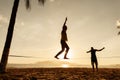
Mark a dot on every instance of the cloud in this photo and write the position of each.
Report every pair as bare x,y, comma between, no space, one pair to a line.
22,23
118,23
52,0
3,19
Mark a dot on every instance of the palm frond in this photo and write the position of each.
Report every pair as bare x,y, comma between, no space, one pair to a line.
118,27
41,2
118,33
27,4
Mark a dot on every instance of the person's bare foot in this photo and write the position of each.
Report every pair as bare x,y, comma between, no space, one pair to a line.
56,57
66,58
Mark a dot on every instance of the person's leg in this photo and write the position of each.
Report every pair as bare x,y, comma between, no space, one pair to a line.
96,63
67,49
63,48
92,63
59,53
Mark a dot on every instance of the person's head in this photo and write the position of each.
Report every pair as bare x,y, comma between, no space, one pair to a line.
92,48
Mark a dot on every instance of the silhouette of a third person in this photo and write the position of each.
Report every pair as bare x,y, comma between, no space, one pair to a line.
94,58
64,38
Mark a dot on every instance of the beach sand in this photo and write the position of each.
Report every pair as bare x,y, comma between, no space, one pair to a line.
60,74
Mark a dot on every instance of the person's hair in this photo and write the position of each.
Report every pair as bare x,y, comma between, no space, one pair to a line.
92,48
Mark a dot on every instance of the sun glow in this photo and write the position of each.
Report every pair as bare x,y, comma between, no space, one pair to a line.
65,66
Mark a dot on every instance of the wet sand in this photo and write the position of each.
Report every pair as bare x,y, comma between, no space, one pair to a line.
60,74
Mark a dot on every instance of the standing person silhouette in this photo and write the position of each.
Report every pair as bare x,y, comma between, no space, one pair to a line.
94,58
63,41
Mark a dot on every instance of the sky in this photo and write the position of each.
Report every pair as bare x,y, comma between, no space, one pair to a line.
37,32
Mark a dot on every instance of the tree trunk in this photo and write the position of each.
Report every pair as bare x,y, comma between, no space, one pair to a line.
6,49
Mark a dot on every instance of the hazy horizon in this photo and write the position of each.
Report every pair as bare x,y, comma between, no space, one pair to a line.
37,33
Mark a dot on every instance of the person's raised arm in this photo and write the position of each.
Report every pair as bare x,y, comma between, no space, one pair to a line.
65,20
101,49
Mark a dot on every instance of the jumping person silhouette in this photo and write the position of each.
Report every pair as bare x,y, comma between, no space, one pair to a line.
94,58
63,41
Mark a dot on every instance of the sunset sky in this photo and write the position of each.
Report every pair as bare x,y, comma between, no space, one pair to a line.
37,32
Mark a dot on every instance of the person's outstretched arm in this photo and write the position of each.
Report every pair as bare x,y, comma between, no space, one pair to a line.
101,49
65,20
88,51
